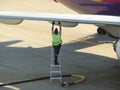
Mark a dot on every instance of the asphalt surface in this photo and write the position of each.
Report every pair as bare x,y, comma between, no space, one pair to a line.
25,51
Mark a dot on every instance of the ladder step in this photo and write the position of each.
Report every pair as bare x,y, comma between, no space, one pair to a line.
56,78
55,71
55,65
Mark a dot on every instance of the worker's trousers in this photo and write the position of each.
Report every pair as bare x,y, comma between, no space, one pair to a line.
56,52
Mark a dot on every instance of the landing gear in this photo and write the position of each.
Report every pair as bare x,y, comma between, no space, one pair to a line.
114,45
117,48
101,31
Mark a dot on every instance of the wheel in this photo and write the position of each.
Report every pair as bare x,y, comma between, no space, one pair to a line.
101,31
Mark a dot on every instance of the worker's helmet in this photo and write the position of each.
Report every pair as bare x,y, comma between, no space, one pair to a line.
56,31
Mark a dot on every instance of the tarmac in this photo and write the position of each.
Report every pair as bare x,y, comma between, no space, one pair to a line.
25,51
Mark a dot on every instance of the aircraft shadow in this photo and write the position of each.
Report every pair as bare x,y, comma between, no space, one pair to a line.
19,63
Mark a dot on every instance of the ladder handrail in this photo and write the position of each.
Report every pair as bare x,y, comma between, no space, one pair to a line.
55,74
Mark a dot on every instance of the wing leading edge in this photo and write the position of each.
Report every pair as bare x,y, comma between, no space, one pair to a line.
75,18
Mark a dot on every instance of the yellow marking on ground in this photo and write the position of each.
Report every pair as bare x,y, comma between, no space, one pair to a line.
30,29
68,37
81,40
89,42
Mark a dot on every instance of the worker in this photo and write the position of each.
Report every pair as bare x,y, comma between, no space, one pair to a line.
56,41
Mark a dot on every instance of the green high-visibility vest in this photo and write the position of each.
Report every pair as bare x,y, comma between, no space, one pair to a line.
56,39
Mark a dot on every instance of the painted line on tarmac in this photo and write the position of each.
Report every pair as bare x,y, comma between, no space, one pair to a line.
68,37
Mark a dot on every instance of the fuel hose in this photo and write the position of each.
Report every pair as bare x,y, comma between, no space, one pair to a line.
63,84
81,78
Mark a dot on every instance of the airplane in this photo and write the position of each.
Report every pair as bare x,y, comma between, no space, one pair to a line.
103,13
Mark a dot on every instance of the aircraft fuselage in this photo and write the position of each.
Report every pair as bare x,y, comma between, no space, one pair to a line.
98,7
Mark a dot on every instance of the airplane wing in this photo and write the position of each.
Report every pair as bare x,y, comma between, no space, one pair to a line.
18,17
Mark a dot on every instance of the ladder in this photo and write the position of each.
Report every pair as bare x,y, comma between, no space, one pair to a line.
55,70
